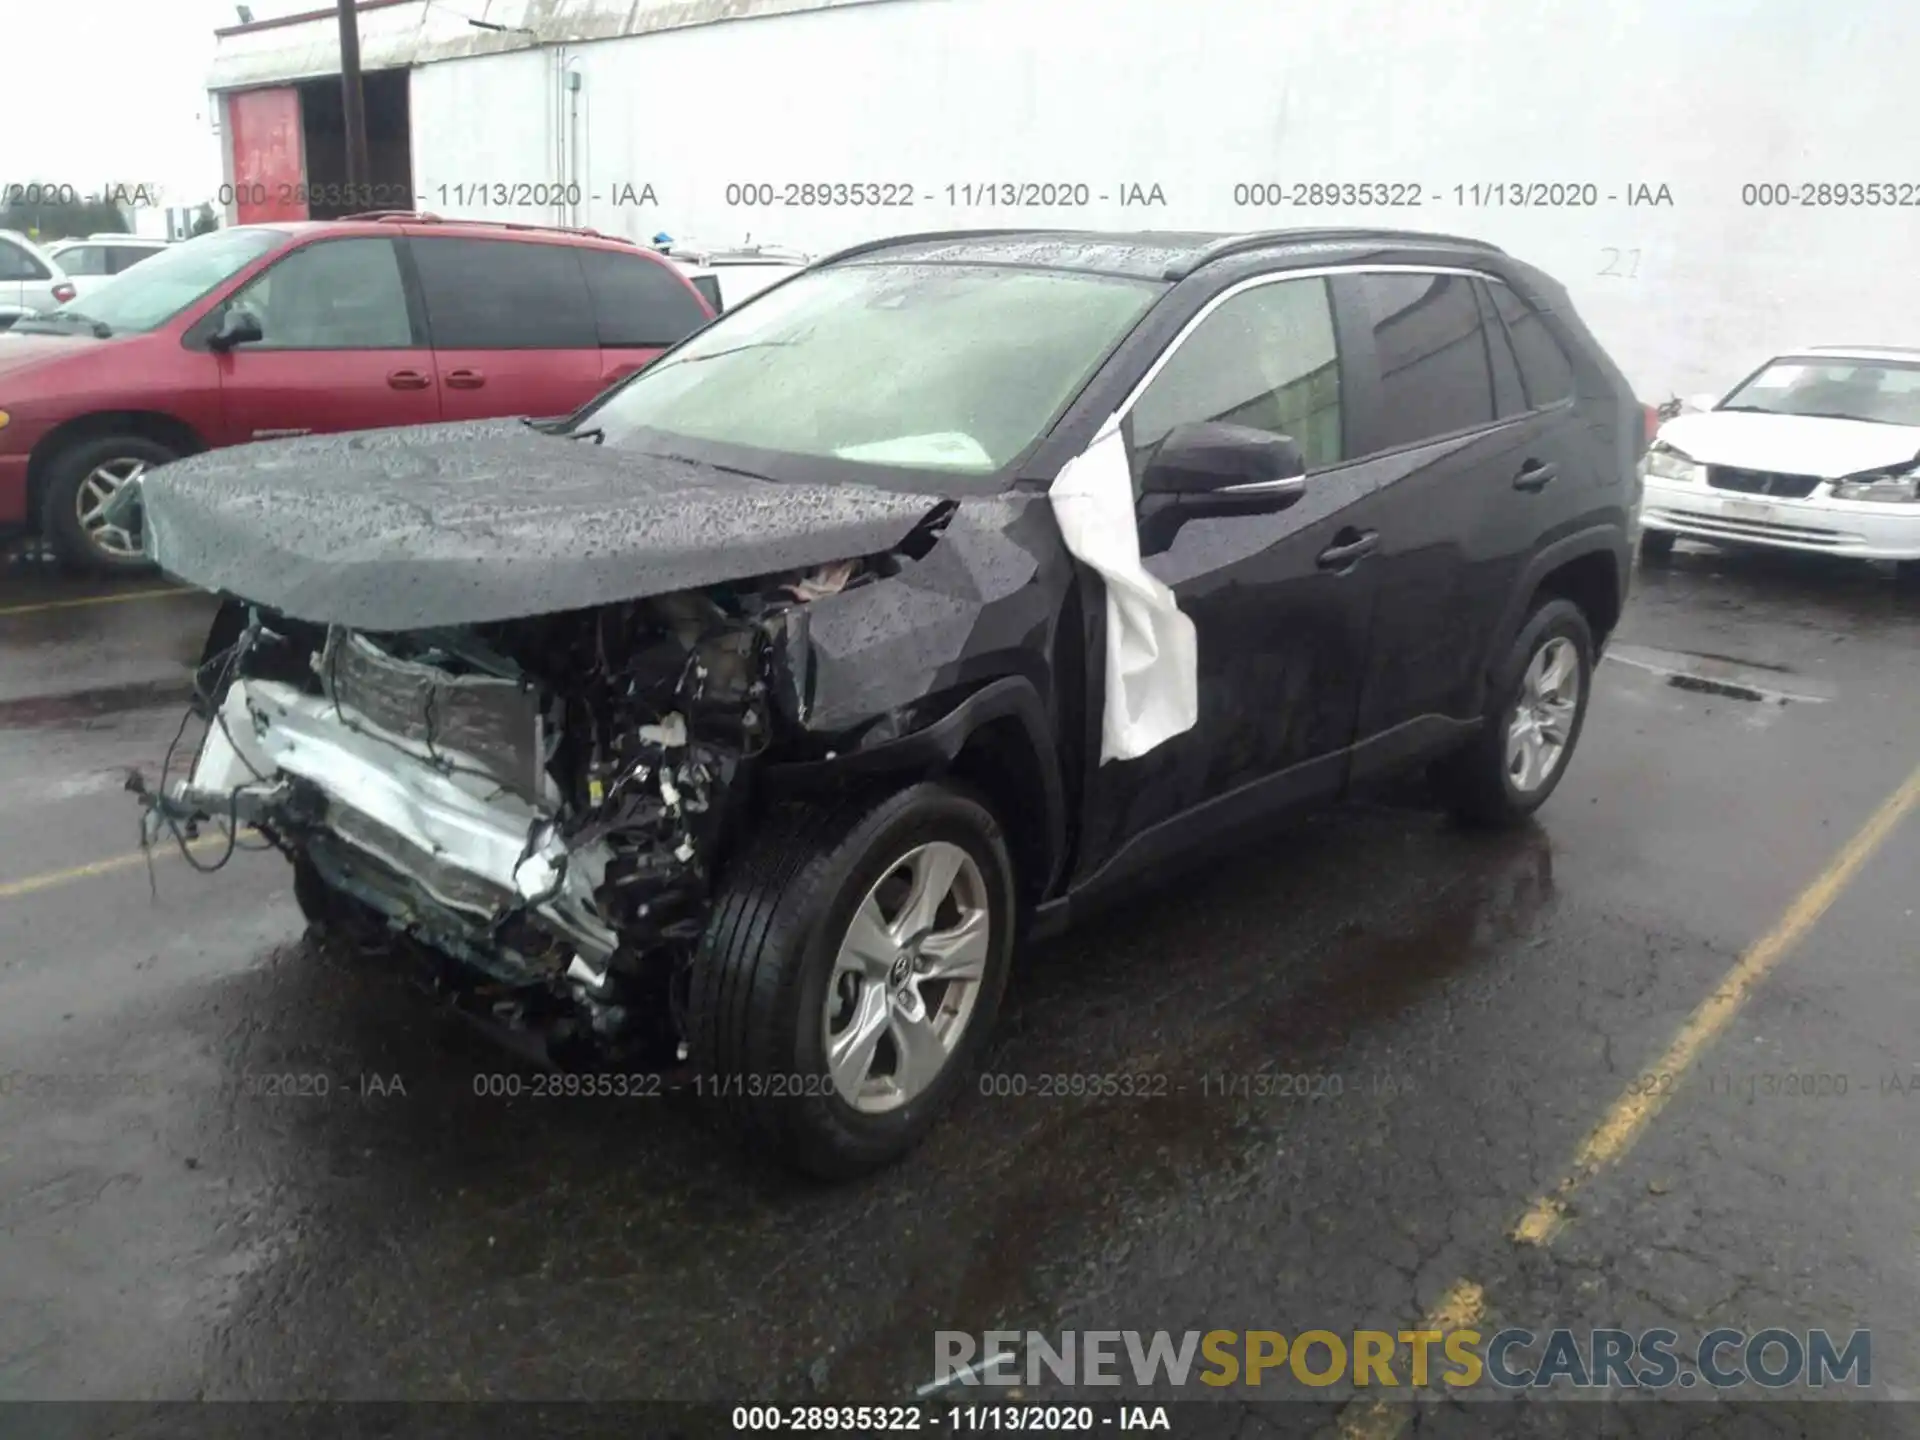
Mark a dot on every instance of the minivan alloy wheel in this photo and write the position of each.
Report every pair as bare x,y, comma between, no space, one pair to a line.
906,977
99,486
1541,724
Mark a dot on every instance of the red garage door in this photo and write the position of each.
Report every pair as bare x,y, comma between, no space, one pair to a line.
269,168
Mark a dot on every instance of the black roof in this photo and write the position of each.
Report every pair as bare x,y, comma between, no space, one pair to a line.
1145,254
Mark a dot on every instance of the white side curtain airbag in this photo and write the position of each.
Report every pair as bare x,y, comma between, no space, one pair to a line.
1152,673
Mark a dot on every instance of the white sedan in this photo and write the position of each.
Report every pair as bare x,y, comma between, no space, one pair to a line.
1817,450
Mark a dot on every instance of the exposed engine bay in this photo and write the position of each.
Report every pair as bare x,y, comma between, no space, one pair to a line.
543,801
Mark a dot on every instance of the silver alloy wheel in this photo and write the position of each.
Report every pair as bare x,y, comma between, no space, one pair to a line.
1541,725
906,977
102,483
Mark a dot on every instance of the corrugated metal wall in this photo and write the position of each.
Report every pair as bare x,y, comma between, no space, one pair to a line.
1701,97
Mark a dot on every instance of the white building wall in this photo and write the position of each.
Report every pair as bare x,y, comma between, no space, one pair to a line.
1699,96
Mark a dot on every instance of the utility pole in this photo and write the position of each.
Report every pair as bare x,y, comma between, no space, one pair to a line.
352,100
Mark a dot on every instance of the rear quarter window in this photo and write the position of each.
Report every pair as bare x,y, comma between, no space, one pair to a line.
504,294
1544,367
640,303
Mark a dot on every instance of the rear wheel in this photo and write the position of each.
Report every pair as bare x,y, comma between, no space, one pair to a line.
81,480
1907,573
849,975
1537,705
1656,546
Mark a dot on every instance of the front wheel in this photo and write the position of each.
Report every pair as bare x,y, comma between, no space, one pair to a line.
850,972
1537,705
81,480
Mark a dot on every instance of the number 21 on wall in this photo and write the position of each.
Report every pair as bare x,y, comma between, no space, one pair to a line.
1621,264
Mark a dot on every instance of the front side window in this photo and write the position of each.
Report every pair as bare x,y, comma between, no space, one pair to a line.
19,264
149,295
1434,378
331,295
83,260
1265,358
1881,392
951,369
504,295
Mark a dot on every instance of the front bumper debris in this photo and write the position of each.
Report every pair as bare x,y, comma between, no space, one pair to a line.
379,808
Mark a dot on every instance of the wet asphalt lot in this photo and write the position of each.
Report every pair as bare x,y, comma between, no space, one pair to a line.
1481,1005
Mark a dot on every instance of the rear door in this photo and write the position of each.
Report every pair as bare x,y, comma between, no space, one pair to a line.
342,346
511,324
1447,457
640,307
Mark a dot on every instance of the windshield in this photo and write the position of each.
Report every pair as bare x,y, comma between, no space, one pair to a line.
954,369
151,293
1885,392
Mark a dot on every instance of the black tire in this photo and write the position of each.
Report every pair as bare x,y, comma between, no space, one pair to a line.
1906,574
760,977
1656,546
1475,781
355,928
59,513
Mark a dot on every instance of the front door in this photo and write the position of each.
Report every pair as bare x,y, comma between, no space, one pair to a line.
339,349
1280,603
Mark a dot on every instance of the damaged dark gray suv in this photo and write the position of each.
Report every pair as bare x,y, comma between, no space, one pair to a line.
740,724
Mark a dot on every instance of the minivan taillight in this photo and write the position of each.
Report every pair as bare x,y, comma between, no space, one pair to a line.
1652,412
64,291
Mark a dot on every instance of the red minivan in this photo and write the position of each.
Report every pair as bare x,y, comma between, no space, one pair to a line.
263,331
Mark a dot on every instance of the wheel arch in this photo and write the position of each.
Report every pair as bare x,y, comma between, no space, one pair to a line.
154,425
996,739
1590,568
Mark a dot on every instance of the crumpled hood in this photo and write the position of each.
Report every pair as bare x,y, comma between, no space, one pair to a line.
466,523
1790,444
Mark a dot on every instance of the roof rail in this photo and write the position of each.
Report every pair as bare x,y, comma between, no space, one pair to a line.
1261,239
422,217
921,237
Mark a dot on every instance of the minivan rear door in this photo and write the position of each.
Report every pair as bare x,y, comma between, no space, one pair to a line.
641,305
511,324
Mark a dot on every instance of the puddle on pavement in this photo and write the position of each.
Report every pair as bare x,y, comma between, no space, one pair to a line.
1758,682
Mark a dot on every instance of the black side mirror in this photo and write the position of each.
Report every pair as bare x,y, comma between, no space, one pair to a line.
238,326
1213,468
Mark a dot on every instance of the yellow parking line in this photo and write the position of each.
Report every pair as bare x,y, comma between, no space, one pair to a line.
12,889
1622,1125
43,605
1381,1419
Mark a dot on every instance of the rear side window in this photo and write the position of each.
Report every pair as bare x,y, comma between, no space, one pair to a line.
1434,378
1544,366
709,286
83,260
1508,396
504,295
639,302
125,257
17,264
